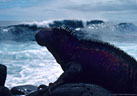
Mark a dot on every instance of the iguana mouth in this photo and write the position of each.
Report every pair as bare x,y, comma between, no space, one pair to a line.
39,40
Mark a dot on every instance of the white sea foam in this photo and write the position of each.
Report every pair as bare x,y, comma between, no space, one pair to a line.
28,63
130,48
39,24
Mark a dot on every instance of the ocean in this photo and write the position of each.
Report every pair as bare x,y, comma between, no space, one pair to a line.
29,63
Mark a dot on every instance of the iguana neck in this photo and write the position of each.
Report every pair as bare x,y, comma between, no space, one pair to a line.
61,50
55,51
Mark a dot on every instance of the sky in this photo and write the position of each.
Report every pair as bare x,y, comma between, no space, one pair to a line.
40,10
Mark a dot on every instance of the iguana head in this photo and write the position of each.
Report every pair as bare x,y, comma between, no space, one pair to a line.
44,36
48,36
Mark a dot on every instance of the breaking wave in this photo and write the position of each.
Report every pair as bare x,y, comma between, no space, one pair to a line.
94,29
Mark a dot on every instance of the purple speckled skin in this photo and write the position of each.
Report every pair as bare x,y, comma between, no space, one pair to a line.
102,63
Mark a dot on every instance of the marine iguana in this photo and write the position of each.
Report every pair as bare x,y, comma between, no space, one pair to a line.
93,62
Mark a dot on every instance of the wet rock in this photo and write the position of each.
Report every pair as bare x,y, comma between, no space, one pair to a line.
68,23
94,22
23,90
126,27
79,89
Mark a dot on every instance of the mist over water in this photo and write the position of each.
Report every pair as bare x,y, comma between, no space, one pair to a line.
29,63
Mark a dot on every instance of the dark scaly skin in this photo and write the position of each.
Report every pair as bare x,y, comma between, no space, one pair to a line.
93,62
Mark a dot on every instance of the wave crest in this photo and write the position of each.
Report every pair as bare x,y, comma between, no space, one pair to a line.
94,29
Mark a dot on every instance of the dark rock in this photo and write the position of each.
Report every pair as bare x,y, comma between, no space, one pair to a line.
68,23
23,90
33,27
129,27
4,91
36,93
94,22
42,86
19,32
80,89
3,74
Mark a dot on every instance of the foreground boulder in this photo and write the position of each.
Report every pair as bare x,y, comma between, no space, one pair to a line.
23,90
4,91
79,89
3,74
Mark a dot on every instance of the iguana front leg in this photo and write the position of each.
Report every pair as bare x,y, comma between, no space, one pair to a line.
73,70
